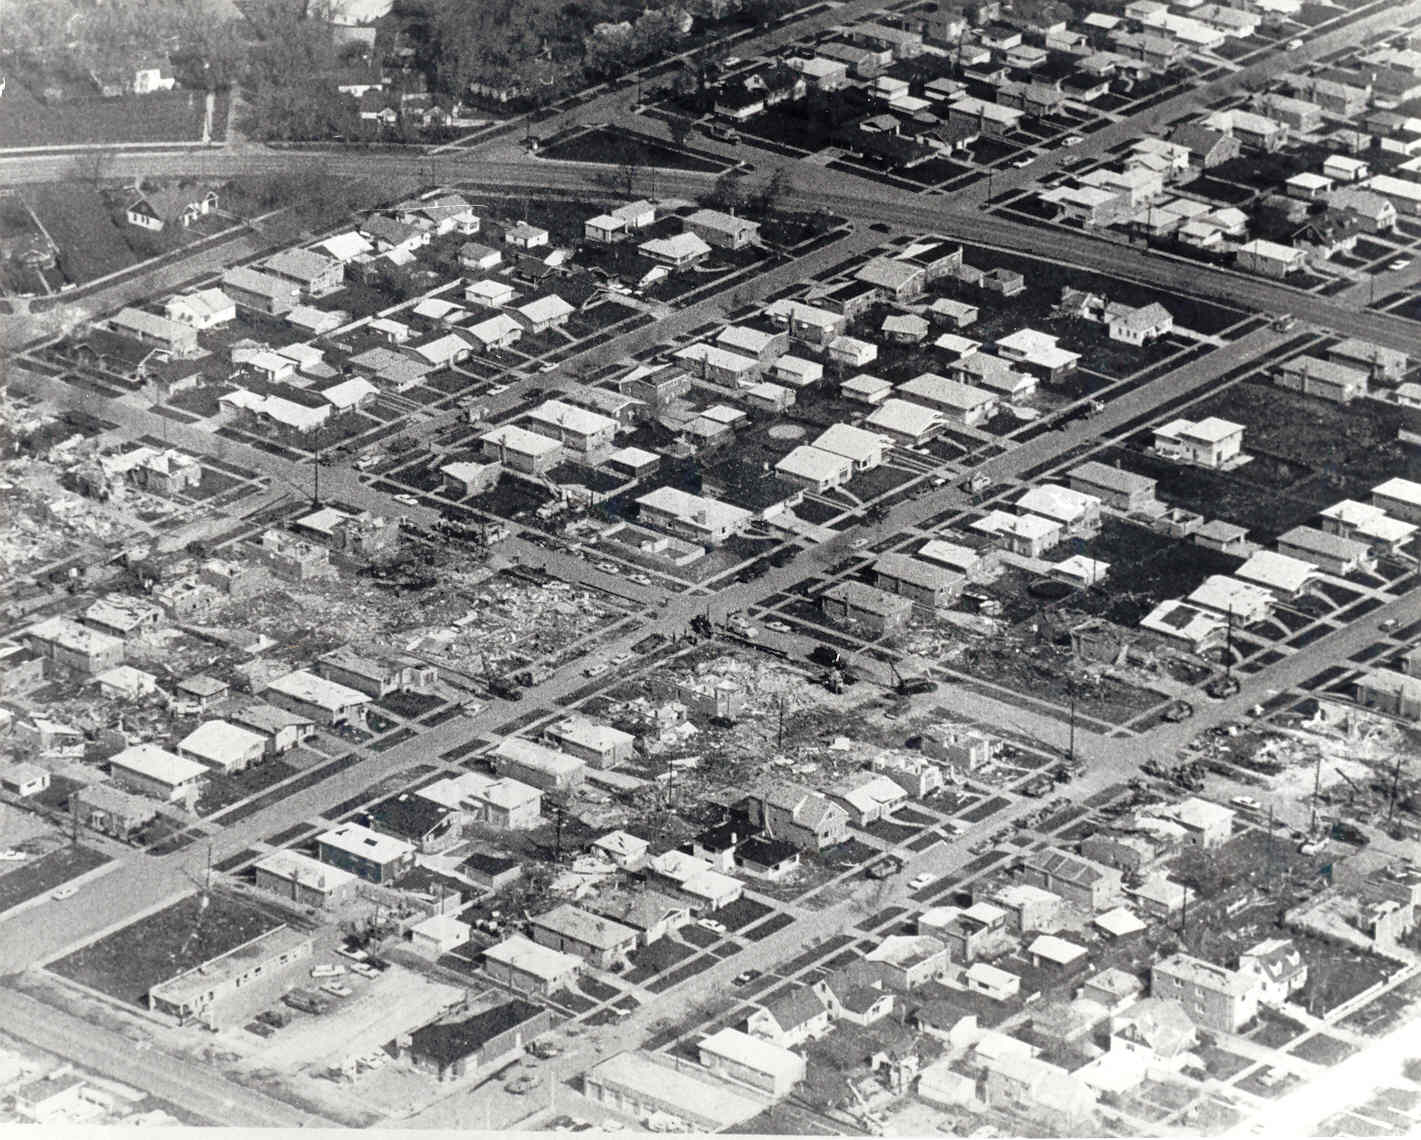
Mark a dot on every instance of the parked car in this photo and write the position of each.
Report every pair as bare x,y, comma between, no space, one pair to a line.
919,881
712,925
1246,803
65,893
745,977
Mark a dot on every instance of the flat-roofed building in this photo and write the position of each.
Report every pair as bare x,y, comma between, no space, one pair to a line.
1367,524
1246,602
575,428
67,643
877,610
920,581
1076,512
647,1084
1214,997
229,989
1211,442
1040,351
498,802
1391,692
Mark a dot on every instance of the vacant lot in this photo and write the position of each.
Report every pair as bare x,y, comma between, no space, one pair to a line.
90,245
167,117
129,962
626,148
46,873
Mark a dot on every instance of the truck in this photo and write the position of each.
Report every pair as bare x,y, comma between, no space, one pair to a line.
533,675
308,1001
506,688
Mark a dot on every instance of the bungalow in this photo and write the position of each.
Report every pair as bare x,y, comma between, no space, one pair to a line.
680,251
223,747
897,279
525,236
906,961
858,603
1193,629
156,210
797,1016
1080,881
1331,552
313,273
345,247
1286,576
864,448
475,256
723,230
1211,442
720,366
500,331
922,582
202,309
443,351
766,347
325,702
1207,147
155,772
1400,498
1253,130
697,518
864,388
600,942
524,966
488,293
387,235
172,336
797,372
1368,524
1039,351
804,818
537,765
600,745
1376,361
544,313
954,401
813,469
1326,379
1075,512
807,322
519,449
252,289
1123,490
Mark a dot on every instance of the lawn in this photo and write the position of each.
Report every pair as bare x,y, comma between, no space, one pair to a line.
132,960
224,791
166,117
31,880
90,245
627,148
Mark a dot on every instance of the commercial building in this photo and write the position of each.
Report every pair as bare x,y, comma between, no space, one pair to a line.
1087,884
452,1050
650,1084
230,988
762,1065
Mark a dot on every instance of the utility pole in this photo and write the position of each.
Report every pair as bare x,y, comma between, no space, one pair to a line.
1395,787
1071,751
1268,843
1316,784
780,738
316,473
557,835
1229,646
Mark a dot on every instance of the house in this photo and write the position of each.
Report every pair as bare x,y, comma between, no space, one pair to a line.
1038,1091
576,428
1155,1031
313,273
851,352
537,765
1113,486
794,1017
121,616
1270,259
1246,602
1375,213
807,322
156,772
262,292
111,811
345,247
325,702
796,372
158,209
519,449
223,747
864,449
24,779
770,859
1075,512
719,366
820,73
488,293
679,251
693,881
622,849
1400,498
961,748
1367,524
476,797
1207,147
813,469
894,278
366,854
1028,534
202,309
855,993
922,582
865,389
1213,997
498,332
1377,362
171,336
525,236
722,230
1026,908
598,941
906,961
1390,692
482,1043
1278,968
1052,952
304,880
1285,576
975,565
804,818
544,313
427,826
697,518
878,611
773,399
991,982
22,669
1331,552
1211,442
748,1060
475,256
527,967
600,745
1087,884
932,394
1137,324
1253,130
867,797
765,347
67,643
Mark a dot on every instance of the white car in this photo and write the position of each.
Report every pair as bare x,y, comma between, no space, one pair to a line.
640,579
919,881
1400,263
365,970
497,390
337,989
1026,160
547,366
65,893
712,925
777,626
1293,44
374,1060
858,544
408,500
608,567
1072,140
1246,803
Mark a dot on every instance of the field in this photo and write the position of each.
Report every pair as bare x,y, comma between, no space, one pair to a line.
625,148
174,116
90,245
132,960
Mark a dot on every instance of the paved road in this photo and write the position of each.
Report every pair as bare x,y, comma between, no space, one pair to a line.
112,1054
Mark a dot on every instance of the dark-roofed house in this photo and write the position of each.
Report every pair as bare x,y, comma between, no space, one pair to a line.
1278,967
596,940
478,1044
1078,880
771,859
790,1019
1207,147
421,823
805,818
855,994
